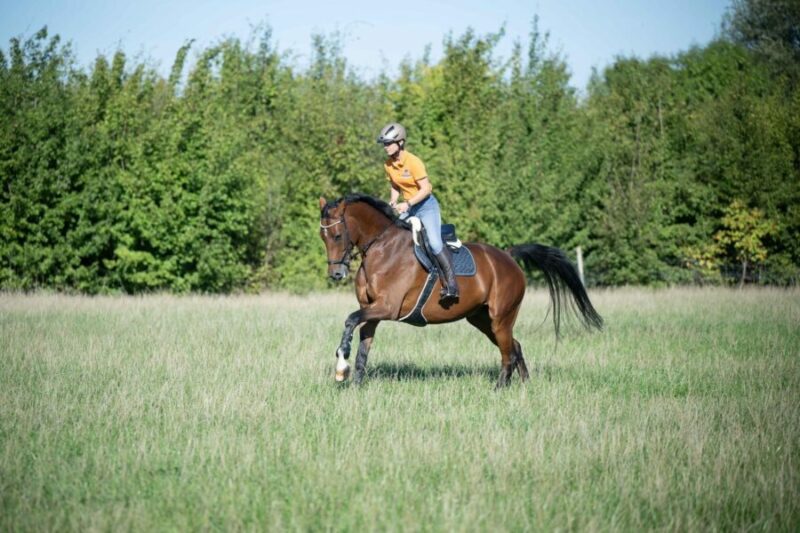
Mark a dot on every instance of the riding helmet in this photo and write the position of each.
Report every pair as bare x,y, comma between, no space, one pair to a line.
393,132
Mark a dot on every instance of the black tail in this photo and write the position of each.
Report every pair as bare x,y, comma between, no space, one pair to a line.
563,282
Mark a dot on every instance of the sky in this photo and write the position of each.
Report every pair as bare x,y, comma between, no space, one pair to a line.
376,36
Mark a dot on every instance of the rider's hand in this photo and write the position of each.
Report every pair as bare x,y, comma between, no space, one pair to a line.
402,207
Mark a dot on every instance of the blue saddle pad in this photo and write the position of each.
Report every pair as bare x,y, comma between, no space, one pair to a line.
463,262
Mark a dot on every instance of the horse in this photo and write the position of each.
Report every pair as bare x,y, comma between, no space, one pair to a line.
390,278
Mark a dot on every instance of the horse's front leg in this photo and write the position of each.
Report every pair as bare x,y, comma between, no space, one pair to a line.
353,319
370,313
343,351
366,333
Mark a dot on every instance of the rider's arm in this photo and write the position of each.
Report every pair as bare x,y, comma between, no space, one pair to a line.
423,192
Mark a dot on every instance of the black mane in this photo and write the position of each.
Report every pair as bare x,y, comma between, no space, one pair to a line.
375,203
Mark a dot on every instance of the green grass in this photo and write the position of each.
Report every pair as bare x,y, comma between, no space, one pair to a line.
175,413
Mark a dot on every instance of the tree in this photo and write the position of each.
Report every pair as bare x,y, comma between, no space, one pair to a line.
632,183
119,179
770,28
35,184
744,231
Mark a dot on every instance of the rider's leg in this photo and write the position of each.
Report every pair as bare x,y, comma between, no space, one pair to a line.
449,284
429,213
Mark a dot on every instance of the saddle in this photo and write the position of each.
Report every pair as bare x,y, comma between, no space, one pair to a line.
463,262
463,265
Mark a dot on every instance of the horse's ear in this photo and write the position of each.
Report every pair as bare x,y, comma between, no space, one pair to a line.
322,202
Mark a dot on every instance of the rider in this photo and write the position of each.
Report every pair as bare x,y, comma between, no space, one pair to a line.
407,175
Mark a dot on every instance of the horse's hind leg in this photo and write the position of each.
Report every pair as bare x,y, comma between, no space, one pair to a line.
505,341
499,332
522,368
482,321
366,335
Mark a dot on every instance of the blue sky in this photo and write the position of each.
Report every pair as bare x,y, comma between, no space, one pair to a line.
376,35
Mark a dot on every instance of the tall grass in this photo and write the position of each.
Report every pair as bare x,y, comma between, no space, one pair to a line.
173,413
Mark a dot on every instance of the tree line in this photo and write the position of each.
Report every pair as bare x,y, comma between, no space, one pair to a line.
681,169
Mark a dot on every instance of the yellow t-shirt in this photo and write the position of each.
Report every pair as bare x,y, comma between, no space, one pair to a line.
405,173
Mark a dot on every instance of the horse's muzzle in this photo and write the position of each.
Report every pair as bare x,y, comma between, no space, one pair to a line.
338,273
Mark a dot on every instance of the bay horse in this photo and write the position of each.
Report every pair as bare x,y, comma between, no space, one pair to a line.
389,281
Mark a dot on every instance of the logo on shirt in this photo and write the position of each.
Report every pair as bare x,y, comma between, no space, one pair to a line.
406,174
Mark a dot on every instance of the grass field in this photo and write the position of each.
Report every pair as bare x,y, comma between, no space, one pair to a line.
176,413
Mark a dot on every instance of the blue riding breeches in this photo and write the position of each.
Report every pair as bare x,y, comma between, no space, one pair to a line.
429,213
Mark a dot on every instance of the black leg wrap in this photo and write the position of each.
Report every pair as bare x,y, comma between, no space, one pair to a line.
349,325
361,365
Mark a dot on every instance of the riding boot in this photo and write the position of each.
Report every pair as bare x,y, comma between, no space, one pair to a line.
449,284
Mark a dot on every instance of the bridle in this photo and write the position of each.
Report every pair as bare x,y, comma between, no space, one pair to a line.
347,257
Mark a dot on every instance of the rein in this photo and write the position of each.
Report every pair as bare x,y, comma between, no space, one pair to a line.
375,238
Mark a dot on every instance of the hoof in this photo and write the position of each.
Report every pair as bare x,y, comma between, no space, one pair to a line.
342,370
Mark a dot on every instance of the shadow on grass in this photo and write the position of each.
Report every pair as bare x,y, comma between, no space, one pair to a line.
618,381
409,371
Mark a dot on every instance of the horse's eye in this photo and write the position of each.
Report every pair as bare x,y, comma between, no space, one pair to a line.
337,238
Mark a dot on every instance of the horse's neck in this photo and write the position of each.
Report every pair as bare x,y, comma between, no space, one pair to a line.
393,239
367,224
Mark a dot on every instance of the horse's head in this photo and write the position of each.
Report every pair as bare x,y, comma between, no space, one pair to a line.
333,230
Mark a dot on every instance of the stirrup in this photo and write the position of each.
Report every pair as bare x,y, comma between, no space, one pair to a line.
445,294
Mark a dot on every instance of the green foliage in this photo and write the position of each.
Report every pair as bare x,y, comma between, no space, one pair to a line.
677,141
770,28
118,179
744,230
